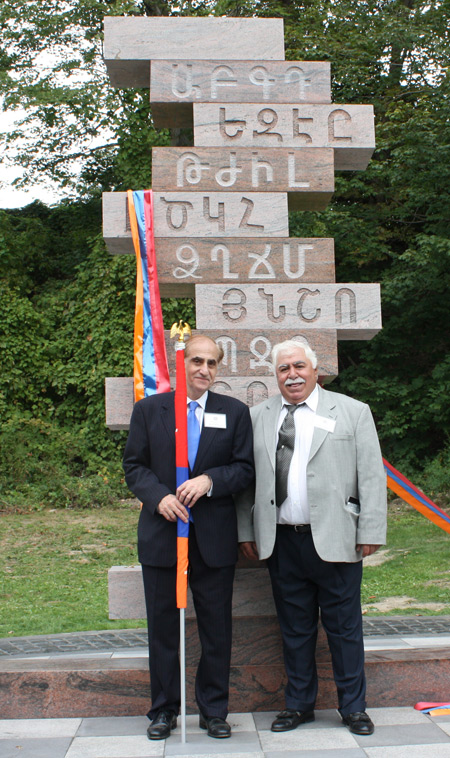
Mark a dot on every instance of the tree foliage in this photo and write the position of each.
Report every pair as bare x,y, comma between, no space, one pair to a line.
72,126
72,304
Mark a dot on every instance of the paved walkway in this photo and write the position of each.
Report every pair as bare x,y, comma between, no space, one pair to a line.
399,732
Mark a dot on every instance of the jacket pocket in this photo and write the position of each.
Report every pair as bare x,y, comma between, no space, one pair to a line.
353,505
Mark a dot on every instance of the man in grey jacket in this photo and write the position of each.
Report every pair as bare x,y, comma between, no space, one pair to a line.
317,509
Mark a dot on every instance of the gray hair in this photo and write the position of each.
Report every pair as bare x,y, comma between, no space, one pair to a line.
191,342
290,346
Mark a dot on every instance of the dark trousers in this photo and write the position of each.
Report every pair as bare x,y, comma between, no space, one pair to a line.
302,583
212,590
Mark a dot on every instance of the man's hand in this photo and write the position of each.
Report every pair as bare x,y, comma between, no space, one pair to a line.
189,492
367,549
249,550
171,509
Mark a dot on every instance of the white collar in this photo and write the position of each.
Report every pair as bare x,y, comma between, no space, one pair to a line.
311,401
201,400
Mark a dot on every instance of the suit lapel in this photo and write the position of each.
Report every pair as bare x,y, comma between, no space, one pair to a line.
168,416
326,407
270,423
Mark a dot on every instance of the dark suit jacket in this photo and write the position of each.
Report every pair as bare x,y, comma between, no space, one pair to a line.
149,464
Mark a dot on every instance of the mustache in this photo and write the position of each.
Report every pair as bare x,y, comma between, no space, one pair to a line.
299,380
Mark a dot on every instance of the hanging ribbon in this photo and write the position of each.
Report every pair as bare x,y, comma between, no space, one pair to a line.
151,373
408,492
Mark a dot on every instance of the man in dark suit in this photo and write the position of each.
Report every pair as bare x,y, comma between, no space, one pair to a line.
223,466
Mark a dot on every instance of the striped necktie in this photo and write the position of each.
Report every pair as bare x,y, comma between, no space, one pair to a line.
285,450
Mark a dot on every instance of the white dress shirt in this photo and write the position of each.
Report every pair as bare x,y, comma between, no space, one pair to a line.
295,509
199,413
200,410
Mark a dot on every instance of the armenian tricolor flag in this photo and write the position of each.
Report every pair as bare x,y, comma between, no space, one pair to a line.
182,465
151,373
434,709
408,492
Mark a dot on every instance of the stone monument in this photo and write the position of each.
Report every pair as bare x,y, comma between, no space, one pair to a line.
267,140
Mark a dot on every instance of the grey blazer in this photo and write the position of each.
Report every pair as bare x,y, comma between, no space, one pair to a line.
343,463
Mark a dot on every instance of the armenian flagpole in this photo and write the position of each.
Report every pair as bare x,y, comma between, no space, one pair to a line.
182,473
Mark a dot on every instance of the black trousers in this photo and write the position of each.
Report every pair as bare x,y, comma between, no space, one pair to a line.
302,583
212,590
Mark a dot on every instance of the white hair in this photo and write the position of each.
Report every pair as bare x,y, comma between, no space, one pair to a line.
288,346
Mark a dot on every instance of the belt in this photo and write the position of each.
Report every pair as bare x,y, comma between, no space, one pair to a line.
302,528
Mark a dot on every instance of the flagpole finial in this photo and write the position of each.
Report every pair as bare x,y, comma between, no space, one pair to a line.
182,329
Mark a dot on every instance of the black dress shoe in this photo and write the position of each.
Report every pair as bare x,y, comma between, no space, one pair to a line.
287,720
162,725
215,726
359,723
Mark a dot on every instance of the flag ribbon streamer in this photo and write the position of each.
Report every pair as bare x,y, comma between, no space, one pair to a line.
151,373
434,709
412,495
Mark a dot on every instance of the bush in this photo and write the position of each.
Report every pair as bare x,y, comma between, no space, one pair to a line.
435,479
44,464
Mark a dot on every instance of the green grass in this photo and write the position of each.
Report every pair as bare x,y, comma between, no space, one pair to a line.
418,567
54,568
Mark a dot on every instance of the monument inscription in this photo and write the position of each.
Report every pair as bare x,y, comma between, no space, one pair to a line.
278,259
345,307
176,84
220,214
348,129
306,173
240,81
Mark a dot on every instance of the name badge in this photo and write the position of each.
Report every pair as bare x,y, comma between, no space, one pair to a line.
215,420
327,424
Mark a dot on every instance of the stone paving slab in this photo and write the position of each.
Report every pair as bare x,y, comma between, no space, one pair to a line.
74,642
35,748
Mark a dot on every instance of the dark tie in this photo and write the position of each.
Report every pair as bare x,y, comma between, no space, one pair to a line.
285,449
193,429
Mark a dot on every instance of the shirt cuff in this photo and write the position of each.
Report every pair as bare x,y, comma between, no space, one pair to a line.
209,493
